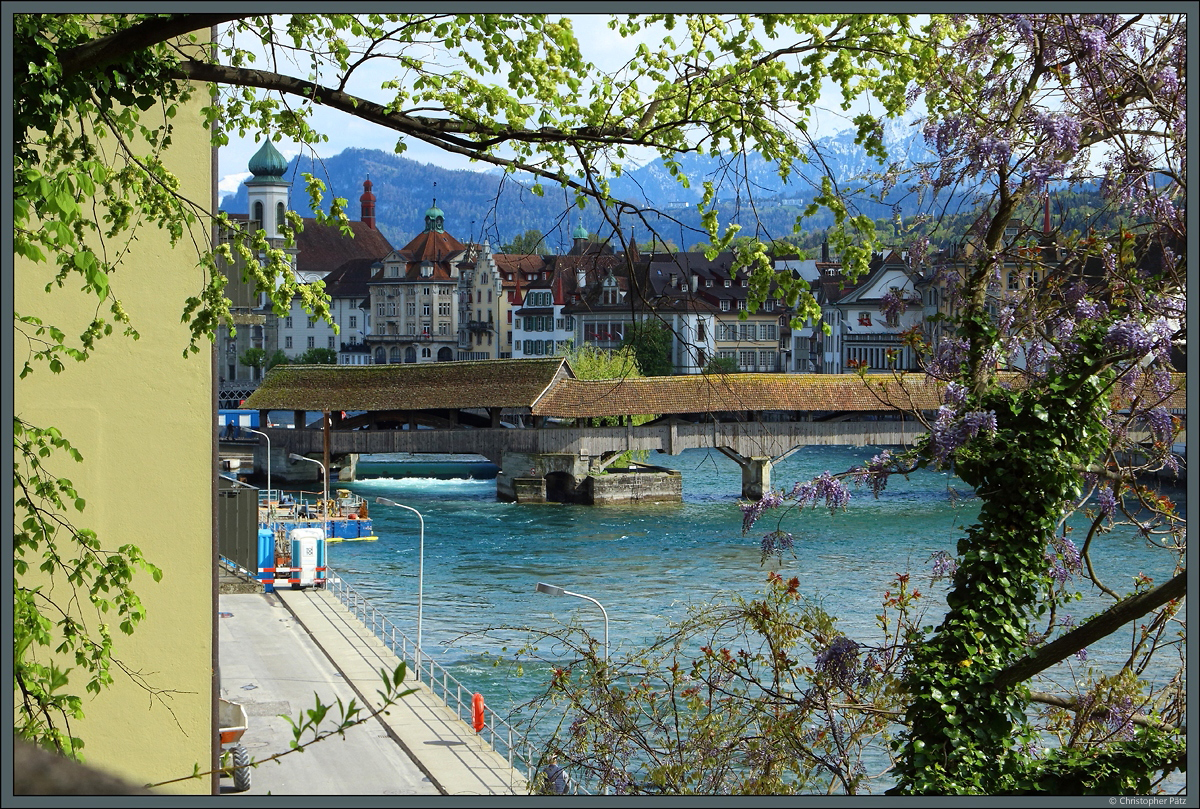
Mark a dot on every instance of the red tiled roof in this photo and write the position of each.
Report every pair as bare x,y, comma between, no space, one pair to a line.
511,262
323,248
705,393
416,386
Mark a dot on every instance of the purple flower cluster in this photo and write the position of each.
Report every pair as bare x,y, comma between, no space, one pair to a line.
752,511
944,565
834,492
1090,310
892,304
1106,501
1160,424
839,661
1119,717
955,394
1063,558
950,431
874,473
950,355
776,543
1081,655
1163,385
1095,42
1129,337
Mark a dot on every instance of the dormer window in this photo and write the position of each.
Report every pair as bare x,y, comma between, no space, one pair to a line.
728,283
864,318
393,271
426,272
708,282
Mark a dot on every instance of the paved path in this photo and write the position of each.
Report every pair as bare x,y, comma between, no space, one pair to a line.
278,649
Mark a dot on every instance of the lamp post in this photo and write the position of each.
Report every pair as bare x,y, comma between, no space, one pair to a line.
383,501
550,589
270,507
325,478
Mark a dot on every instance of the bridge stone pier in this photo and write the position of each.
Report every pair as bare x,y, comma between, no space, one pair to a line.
552,461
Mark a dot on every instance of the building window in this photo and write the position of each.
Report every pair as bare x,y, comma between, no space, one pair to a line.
746,360
354,321
391,309
287,341
444,309
425,307
426,272
727,283
379,310
769,305
766,331
864,318
724,306
330,343
287,322
766,359
700,330
312,321
312,342
411,308
443,328
393,271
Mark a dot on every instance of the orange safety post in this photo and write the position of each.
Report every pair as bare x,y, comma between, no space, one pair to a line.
477,705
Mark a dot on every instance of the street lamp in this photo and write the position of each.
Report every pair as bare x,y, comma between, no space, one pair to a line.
270,508
383,501
325,478
550,589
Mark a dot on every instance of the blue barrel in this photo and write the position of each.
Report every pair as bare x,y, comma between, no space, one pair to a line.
266,558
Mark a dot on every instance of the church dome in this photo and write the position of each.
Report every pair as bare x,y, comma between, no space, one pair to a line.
435,220
580,232
268,162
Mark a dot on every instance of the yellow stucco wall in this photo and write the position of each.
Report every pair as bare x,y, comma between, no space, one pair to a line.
141,415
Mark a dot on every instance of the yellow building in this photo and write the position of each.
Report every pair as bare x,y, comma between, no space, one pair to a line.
142,417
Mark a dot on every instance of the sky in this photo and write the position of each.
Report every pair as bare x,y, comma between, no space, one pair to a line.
601,45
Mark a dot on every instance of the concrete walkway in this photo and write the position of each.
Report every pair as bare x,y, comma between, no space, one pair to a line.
419,747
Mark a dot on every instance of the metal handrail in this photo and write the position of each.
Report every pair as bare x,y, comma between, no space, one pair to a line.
439,681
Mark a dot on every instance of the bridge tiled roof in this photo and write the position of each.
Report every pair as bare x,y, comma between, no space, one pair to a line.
705,393
415,386
702,393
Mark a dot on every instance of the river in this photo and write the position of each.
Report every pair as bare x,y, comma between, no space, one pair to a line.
483,558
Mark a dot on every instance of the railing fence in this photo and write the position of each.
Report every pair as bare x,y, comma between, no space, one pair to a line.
503,738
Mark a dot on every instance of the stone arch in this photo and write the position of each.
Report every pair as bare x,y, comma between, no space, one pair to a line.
380,355
445,354
410,354
560,487
395,354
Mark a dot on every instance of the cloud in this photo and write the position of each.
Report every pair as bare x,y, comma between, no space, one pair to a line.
231,182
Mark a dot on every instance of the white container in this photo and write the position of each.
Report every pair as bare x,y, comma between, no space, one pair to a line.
308,555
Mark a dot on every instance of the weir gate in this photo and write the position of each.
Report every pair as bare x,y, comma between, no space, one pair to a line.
516,414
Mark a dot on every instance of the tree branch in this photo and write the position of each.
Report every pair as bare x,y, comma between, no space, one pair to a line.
1072,704
114,47
1101,626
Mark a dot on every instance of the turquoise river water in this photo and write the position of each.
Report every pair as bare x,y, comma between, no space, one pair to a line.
483,558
